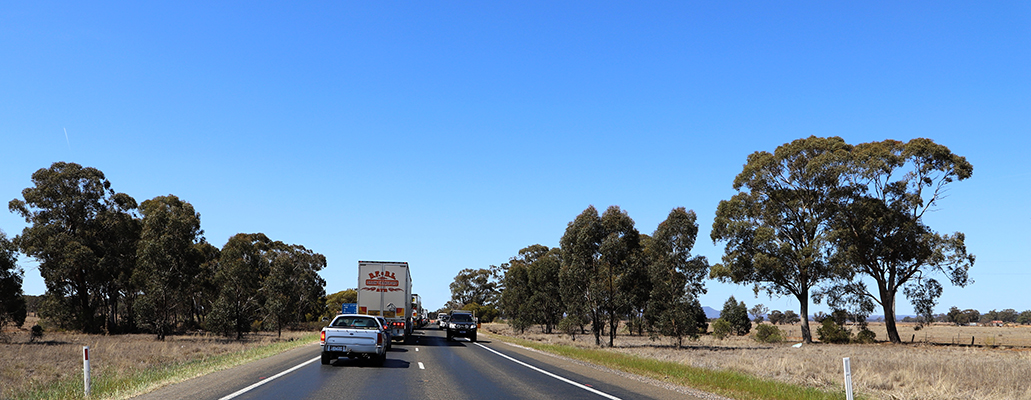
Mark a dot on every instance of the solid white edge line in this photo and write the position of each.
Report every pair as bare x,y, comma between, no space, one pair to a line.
269,379
576,384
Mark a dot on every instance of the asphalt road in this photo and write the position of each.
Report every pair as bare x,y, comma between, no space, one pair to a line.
430,368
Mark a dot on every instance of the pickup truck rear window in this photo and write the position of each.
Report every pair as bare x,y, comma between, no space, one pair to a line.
461,318
356,323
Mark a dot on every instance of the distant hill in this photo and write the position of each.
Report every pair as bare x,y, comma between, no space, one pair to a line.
711,312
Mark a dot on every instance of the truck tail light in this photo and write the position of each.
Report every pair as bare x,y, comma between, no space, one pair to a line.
379,339
322,337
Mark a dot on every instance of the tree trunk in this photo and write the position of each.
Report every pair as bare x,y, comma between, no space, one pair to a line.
612,329
596,326
888,305
85,309
807,335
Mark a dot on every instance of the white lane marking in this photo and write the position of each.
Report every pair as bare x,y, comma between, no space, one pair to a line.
416,349
576,384
269,379
421,366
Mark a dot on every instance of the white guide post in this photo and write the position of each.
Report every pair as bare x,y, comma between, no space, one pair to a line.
848,378
85,369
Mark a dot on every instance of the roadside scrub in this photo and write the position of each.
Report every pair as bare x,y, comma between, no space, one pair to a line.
725,383
126,383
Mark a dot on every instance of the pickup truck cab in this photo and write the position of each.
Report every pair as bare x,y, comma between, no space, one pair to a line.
353,336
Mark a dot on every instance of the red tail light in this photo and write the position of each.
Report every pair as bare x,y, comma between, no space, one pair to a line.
323,336
379,338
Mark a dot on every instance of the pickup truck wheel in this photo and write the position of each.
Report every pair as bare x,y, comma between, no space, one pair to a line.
380,360
449,337
326,360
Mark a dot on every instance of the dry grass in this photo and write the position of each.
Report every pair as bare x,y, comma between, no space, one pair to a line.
886,371
58,356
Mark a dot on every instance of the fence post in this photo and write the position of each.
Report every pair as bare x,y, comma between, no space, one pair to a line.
971,340
848,378
85,370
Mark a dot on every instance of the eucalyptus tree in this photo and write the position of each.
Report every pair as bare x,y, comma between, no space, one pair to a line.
167,262
880,233
602,256
530,292
515,299
545,301
12,299
475,286
203,287
621,267
677,278
580,270
776,226
243,263
81,233
292,291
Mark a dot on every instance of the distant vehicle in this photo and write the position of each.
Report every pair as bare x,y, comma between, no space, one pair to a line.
442,321
385,290
461,324
386,330
417,312
353,336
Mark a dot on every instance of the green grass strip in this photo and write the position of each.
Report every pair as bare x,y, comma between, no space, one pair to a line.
122,385
731,384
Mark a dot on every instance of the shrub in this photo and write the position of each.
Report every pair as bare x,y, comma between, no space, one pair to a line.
766,333
569,325
831,332
865,336
721,328
37,333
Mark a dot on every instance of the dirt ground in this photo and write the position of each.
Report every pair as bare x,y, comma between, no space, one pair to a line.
882,370
59,355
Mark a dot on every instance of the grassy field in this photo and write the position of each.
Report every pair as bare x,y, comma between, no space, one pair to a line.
882,370
123,365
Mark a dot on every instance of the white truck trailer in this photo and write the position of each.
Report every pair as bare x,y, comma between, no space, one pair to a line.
385,289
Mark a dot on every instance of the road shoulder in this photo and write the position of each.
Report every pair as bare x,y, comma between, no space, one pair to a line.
220,383
646,386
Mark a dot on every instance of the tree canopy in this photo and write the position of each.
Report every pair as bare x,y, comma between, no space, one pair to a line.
73,214
110,269
880,234
167,262
776,227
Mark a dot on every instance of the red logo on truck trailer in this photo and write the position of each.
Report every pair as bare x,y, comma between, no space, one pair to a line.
382,281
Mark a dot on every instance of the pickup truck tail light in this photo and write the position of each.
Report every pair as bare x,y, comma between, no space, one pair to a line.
379,338
322,337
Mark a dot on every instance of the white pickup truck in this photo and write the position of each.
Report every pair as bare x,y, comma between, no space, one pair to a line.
353,336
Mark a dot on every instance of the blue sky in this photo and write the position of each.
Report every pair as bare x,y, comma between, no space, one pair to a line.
451,135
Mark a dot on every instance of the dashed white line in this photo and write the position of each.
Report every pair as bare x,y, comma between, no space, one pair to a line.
421,366
574,383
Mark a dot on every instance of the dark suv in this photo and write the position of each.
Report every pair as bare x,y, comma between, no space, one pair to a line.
461,324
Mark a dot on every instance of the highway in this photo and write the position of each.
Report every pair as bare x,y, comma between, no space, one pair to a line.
430,368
